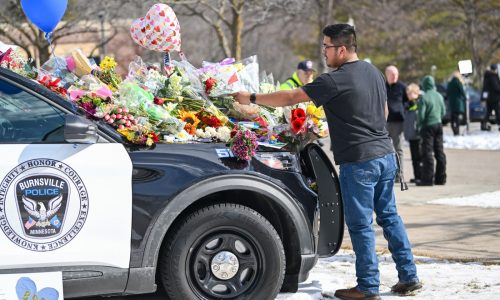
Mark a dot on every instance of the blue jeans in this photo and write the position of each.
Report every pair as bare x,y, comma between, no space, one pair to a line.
367,187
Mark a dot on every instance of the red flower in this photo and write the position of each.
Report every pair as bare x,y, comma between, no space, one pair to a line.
210,83
298,113
5,56
53,85
213,121
297,125
233,133
159,101
154,137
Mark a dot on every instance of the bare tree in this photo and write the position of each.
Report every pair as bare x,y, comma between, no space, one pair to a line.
80,20
477,24
233,20
325,17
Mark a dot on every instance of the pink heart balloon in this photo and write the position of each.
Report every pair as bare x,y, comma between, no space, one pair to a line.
159,30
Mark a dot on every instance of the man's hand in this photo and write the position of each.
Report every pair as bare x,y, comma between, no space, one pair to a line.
242,97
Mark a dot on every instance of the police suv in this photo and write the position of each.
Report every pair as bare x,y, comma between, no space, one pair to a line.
116,218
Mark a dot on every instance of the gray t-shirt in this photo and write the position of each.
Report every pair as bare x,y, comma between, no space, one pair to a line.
353,97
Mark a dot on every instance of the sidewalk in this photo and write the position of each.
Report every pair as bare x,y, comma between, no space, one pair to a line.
451,232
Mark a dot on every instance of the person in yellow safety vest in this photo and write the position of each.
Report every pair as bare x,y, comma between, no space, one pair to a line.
303,75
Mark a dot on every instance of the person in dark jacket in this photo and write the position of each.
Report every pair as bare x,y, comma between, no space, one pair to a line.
410,130
457,99
396,102
431,111
491,92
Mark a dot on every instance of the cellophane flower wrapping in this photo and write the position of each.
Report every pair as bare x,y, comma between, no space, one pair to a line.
221,78
248,72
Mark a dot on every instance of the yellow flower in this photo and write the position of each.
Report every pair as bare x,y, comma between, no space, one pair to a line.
189,117
317,112
108,64
129,135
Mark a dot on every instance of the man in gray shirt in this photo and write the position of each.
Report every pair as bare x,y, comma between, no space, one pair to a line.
354,99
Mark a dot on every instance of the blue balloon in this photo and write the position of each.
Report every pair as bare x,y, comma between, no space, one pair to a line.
45,14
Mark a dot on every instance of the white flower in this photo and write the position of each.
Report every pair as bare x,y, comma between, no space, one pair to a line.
183,136
223,133
170,106
203,134
211,131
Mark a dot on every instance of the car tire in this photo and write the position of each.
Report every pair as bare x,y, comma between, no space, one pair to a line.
223,251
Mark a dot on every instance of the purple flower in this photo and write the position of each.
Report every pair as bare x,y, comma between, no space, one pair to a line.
244,144
89,108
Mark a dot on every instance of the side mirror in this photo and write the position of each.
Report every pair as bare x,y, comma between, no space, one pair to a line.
79,130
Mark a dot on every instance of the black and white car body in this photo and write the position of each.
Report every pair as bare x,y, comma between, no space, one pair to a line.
117,218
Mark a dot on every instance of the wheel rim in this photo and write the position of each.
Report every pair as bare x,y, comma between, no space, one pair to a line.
224,263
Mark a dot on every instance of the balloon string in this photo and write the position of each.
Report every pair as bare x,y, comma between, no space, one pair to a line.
48,37
60,66
166,64
166,59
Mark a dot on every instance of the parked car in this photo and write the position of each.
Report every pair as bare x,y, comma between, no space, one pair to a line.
477,109
117,218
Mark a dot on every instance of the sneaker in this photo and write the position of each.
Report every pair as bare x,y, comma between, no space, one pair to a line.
354,294
405,288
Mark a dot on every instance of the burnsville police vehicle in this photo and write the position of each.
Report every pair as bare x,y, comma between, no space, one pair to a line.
117,218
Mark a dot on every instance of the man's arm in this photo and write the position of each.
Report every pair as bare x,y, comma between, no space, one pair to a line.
386,110
276,99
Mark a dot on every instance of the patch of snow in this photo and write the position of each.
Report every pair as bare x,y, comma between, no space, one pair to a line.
441,279
491,199
475,139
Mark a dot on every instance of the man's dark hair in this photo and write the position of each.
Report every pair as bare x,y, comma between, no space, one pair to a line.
342,34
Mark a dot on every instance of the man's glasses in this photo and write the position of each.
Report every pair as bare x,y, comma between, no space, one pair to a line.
325,46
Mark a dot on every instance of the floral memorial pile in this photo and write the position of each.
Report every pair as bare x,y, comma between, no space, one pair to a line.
178,103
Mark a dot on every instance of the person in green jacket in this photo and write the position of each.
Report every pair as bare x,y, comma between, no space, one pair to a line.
303,75
457,98
431,111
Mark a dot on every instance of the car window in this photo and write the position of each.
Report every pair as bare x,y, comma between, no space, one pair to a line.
25,118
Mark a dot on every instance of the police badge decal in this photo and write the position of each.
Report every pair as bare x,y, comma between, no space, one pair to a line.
43,204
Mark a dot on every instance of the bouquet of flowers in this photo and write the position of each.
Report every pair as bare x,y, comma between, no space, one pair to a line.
306,125
243,144
108,74
14,60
